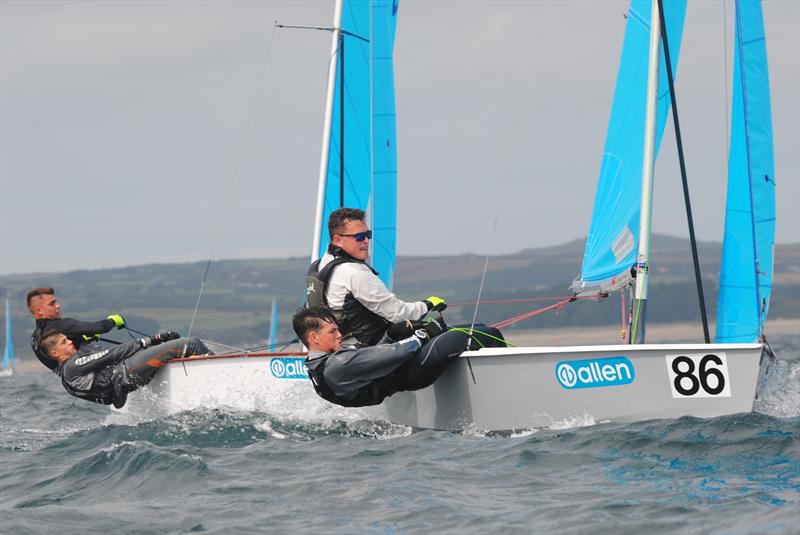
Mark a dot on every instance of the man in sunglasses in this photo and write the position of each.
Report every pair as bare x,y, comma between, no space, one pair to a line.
344,282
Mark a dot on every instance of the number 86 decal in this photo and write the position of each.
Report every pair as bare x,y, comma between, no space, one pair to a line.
703,375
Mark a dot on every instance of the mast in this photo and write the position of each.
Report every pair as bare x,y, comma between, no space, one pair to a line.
648,166
326,133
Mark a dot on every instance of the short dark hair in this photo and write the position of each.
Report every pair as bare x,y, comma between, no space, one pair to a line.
311,319
49,342
340,217
47,290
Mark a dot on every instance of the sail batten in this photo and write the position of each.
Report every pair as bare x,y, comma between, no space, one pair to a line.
613,237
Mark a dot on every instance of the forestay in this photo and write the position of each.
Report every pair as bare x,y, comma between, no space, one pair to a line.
747,252
613,237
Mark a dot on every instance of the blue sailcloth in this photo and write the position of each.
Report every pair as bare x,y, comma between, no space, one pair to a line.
370,144
747,250
273,327
613,238
8,353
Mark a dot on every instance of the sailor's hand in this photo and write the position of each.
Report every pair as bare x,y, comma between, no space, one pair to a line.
435,303
399,330
165,336
90,338
119,321
159,338
429,329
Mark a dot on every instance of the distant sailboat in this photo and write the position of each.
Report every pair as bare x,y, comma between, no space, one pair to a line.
273,327
7,366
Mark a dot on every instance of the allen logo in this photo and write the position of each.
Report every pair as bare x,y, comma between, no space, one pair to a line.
288,368
591,373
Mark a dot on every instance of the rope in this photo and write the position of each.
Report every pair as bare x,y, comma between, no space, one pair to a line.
522,300
471,333
509,321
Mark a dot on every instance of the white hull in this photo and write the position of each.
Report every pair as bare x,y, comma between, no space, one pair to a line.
525,388
266,381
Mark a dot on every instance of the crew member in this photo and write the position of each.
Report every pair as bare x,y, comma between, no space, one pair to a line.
45,308
356,377
343,281
107,375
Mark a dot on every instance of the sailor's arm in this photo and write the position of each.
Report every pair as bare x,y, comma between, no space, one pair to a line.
72,327
373,294
96,360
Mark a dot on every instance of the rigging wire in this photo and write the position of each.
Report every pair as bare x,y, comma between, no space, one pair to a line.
234,175
483,274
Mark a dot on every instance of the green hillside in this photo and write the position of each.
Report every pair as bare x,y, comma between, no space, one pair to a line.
235,306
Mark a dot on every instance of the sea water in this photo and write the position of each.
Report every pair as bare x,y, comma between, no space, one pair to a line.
68,466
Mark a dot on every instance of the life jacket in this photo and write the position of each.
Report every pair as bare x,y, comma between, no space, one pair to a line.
113,393
353,319
371,394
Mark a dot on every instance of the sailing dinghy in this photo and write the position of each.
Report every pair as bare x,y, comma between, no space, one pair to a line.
7,365
358,169
501,389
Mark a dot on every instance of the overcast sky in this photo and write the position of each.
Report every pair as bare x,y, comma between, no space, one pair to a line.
138,132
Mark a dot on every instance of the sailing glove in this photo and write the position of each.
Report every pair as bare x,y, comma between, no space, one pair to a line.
435,303
119,321
399,331
158,338
91,338
429,329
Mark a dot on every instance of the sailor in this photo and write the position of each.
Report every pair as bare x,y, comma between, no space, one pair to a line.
45,308
357,377
343,281
107,375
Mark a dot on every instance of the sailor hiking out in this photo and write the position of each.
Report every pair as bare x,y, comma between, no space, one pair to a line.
357,377
46,310
106,376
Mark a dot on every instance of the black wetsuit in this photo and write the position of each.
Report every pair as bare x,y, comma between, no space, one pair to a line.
357,377
69,327
107,375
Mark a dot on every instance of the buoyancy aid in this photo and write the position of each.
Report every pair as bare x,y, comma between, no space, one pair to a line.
353,319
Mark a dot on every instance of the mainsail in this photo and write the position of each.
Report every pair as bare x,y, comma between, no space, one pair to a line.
611,244
747,251
359,161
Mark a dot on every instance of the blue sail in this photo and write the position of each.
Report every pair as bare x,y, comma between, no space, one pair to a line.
746,272
613,238
273,327
370,147
384,139
8,353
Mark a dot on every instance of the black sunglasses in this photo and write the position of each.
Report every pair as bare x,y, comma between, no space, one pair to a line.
359,236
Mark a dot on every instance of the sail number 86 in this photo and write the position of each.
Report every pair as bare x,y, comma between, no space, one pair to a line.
701,375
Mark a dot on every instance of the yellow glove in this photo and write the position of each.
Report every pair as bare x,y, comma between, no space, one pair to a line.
435,303
91,337
119,321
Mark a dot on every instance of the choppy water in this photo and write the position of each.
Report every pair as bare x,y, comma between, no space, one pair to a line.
68,467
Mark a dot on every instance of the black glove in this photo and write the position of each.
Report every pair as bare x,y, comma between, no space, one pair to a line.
399,331
159,338
429,329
